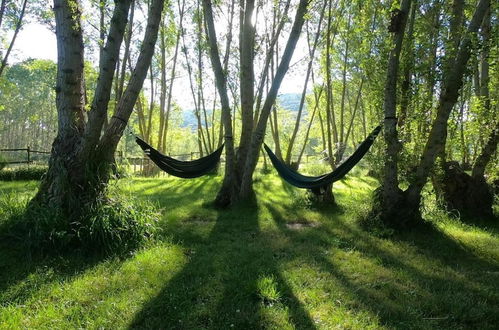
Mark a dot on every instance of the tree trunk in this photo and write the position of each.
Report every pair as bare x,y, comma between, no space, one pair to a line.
271,49
408,68
289,152
14,37
330,118
390,194
311,120
162,83
448,97
228,191
172,75
62,185
259,132
107,63
247,84
2,10
109,141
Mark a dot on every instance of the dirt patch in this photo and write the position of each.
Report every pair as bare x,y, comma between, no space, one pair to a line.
301,224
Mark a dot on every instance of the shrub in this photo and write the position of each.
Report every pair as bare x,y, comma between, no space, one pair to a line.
34,172
112,225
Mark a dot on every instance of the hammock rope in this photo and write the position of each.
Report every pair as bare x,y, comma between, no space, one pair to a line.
182,169
316,183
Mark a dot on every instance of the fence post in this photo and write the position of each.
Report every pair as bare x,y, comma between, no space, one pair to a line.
29,156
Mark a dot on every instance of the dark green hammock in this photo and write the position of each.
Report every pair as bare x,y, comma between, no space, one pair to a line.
316,183
178,168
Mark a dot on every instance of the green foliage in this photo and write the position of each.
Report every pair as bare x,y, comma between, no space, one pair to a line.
115,224
32,172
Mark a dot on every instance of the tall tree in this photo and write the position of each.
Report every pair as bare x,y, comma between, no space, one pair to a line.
239,185
402,208
81,159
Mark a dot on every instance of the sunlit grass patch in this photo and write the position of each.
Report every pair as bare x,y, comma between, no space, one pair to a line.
106,295
268,290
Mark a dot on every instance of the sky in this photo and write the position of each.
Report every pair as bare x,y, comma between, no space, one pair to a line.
35,41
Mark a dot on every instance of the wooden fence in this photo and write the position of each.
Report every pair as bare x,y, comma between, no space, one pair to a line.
135,165
30,158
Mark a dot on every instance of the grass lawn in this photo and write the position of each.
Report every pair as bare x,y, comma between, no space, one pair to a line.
279,264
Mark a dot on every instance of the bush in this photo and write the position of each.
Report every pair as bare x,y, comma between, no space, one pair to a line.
113,225
34,172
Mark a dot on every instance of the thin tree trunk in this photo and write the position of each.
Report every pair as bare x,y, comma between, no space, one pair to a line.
311,120
99,108
342,141
247,78
259,133
271,50
228,192
109,141
201,98
14,37
448,97
408,67
2,10
126,56
330,117
390,194
151,106
289,151
172,75
162,95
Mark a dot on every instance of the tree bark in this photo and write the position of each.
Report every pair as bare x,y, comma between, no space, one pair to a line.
268,60
14,37
109,141
259,132
448,97
2,10
110,53
228,191
390,192
162,83
246,82
485,156
61,186
289,151
311,120
173,72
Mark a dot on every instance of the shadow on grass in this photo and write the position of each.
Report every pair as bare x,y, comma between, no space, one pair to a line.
22,273
452,294
218,287
172,193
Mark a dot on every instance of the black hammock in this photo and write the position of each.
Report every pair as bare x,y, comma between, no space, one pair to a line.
178,168
315,183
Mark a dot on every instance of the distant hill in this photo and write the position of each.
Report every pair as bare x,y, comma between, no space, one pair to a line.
288,101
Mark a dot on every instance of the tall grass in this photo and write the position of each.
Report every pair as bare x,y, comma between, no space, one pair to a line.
114,224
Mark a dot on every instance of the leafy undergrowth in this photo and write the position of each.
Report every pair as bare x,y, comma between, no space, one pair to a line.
115,224
280,264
